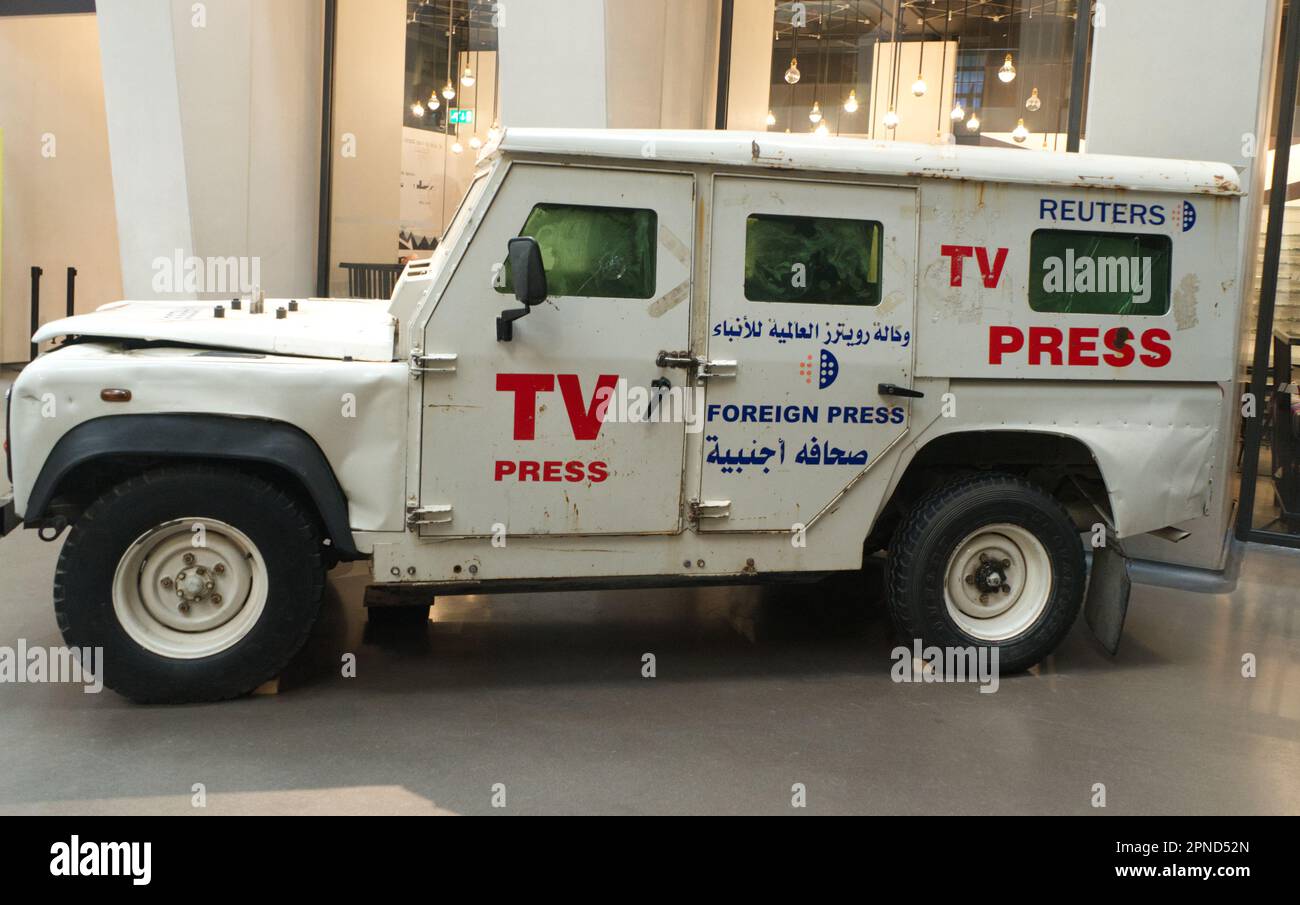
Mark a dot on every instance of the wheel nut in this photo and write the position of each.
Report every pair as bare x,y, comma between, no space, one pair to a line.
189,559
1006,589
970,579
185,607
1006,564
219,569
208,585
216,599
984,598
166,582
200,571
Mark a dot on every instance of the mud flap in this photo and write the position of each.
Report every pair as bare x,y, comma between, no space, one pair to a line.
1108,591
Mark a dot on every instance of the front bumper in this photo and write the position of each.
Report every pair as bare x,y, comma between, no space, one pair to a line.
9,519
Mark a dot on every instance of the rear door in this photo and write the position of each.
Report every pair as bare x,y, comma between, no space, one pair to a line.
812,293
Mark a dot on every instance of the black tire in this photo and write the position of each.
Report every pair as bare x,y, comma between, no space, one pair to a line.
287,538
930,535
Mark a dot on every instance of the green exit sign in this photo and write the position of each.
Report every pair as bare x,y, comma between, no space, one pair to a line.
460,116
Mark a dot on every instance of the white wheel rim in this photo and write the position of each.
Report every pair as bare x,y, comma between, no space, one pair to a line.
980,571
190,588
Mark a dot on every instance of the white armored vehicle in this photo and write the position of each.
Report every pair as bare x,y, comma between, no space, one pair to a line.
745,357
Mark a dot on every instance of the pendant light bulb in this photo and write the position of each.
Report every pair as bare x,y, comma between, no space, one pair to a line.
449,91
919,86
1008,71
417,109
457,148
1020,133
891,119
973,124
1034,102
792,74
771,118
821,129
467,78
475,142
958,113
495,132
851,105
433,103
815,114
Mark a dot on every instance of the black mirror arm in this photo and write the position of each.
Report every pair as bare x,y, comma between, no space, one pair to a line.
506,324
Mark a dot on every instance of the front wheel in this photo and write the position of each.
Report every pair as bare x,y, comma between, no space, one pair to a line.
987,561
197,583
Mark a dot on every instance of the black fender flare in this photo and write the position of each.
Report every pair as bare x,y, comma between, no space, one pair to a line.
221,438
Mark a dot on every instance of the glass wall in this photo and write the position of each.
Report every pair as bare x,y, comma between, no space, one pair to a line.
1269,456
415,99
985,72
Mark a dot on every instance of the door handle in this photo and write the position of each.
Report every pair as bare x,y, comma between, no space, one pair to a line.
890,389
658,387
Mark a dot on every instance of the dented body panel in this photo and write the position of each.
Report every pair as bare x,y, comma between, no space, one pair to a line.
472,460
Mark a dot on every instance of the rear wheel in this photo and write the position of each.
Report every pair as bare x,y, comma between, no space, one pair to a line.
988,561
198,583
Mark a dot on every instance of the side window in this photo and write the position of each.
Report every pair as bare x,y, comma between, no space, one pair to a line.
813,260
1079,272
601,252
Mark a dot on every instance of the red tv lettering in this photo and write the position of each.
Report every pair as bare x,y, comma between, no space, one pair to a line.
991,274
958,254
586,422
526,387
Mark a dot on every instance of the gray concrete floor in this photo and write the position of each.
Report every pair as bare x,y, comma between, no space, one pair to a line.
756,690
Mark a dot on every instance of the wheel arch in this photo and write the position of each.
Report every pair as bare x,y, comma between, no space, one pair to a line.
1061,464
104,450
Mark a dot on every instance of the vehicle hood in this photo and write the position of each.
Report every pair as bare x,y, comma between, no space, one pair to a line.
360,329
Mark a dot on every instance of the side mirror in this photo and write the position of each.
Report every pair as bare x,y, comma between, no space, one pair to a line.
529,276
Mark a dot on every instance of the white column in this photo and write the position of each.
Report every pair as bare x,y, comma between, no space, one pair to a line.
214,124
552,63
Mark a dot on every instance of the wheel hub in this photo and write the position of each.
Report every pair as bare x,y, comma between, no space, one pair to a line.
185,592
997,581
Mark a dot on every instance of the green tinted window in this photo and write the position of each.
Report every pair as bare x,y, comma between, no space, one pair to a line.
603,252
1075,272
814,260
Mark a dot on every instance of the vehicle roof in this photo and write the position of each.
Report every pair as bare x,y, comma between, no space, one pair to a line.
812,153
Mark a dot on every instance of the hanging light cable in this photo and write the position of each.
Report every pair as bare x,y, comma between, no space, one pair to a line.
943,67
1007,74
973,122
1034,103
875,77
891,118
449,90
958,113
851,102
792,74
815,114
919,86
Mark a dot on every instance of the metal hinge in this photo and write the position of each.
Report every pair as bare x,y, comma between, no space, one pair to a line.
700,509
428,515
432,362
717,367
